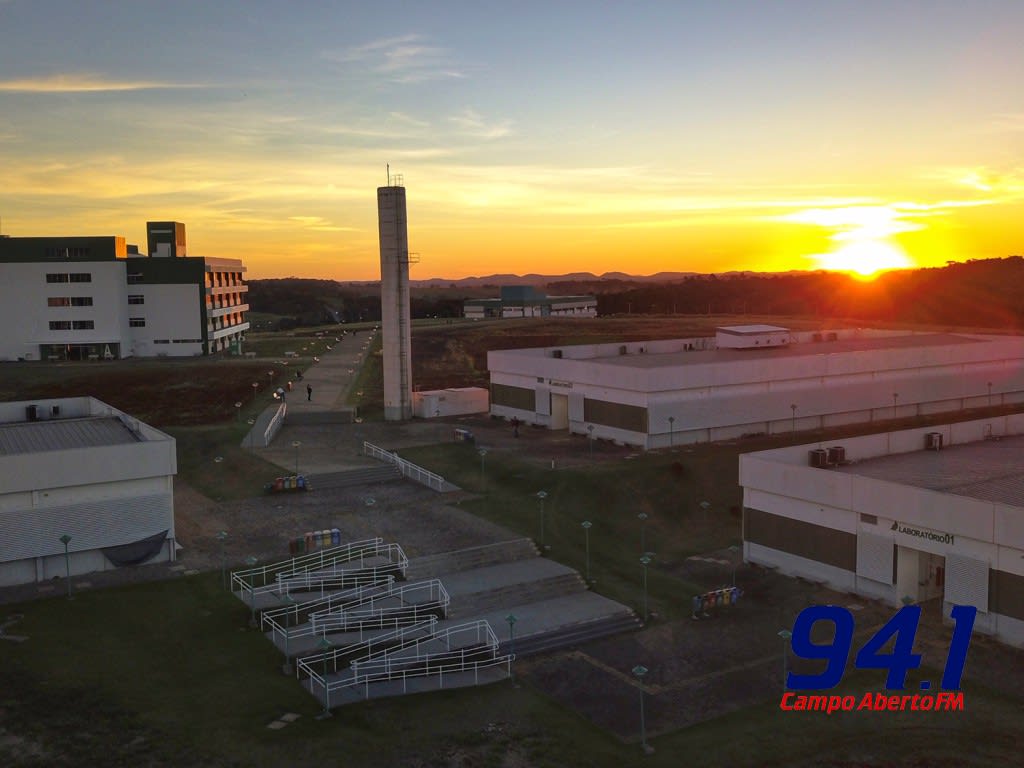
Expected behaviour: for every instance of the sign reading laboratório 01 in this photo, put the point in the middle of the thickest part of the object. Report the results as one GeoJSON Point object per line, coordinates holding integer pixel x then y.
{"type": "Point", "coordinates": [901, 629]}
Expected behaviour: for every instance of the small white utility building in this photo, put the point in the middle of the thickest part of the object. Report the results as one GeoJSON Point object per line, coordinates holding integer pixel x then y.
{"type": "Point", "coordinates": [913, 515]}
{"type": "Point", "coordinates": [78, 468]}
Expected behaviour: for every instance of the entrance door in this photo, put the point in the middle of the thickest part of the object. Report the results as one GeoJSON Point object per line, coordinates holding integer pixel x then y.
{"type": "Point", "coordinates": [559, 411]}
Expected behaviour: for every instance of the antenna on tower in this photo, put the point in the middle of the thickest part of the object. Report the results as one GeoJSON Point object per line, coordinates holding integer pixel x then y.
{"type": "Point", "coordinates": [389, 174]}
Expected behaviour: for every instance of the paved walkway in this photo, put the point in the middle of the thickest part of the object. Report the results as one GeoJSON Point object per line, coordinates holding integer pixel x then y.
{"type": "Point", "coordinates": [325, 402]}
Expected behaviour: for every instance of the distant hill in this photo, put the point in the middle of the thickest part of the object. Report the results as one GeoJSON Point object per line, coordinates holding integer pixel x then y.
{"type": "Point", "coordinates": [979, 293]}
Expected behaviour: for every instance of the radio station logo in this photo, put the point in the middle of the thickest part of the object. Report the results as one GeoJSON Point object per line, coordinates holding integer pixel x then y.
{"type": "Point", "coordinates": [901, 630]}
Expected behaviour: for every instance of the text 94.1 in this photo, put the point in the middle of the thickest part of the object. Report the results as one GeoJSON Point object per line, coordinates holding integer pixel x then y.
{"type": "Point", "coordinates": [901, 628]}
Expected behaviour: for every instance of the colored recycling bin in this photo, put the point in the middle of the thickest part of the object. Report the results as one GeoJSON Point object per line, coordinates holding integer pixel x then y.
{"type": "Point", "coordinates": [335, 537]}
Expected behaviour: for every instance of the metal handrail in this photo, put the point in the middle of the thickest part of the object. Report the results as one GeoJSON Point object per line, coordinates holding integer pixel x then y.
{"type": "Point", "coordinates": [437, 595]}
{"type": "Point", "coordinates": [253, 579]}
{"type": "Point", "coordinates": [407, 468]}
{"type": "Point", "coordinates": [338, 601]}
{"type": "Point", "coordinates": [305, 664]}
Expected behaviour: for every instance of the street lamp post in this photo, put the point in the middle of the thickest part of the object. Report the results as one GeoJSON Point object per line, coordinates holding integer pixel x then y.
{"type": "Point", "coordinates": [895, 398]}
{"type": "Point", "coordinates": [586, 534]}
{"type": "Point", "coordinates": [483, 477]}
{"type": "Point", "coordinates": [785, 634]}
{"type": "Point", "coordinates": [590, 430]}
{"type": "Point", "coordinates": [223, 573]}
{"type": "Point", "coordinates": [238, 410]}
{"type": "Point", "coordinates": [296, 444]}
{"type": "Point", "coordinates": [704, 507]}
{"type": "Point", "coordinates": [325, 646]}
{"type": "Point", "coordinates": [511, 619]}
{"type": "Point", "coordinates": [287, 668]}
{"type": "Point", "coordinates": [990, 394]}
{"type": "Point", "coordinates": [642, 517]}
{"type": "Point", "coordinates": [792, 407]}
{"type": "Point", "coordinates": [671, 431]}
{"type": "Point", "coordinates": [252, 423]}
{"type": "Point", "coordinates": [255, 386]}
{"type": "Point", "coordinates": [65, 540]}
{"type": "Point", "coordinates": [542, 495]}
{"type": "Point", "coordinates": [251, 561]}
{"type": "Point", "coordinates": [645, 561]}
{"type": "Point", "coordinates": [639, 670]}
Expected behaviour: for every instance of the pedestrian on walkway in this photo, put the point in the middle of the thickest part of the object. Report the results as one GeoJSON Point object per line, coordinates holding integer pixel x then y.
{"type": "Point", "coordinates": [309, 392]}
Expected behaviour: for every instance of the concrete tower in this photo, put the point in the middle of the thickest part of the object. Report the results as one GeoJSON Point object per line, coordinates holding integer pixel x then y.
{"type": "Point", "coordinates": [394, 300]}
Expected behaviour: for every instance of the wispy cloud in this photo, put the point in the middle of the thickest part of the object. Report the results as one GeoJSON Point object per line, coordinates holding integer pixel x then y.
{"type": "Point", "coordinates": [1006, 122]}
{"type": "Point", "coordinates": [472, 123]}
{"type": "Point", "coordinates": [997, 185]}
{"type": "Point", "coordinates": [84, 83]}
{"type": "Point", "coordinates": [401, 59]}
{"type": "Point", "coordinates": [401, 117]}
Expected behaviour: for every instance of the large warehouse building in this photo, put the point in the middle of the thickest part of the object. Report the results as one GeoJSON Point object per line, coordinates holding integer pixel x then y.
{"type": "Point", "coordinates": [752, 380]}
{"type": "Point", "coordinates": [913, 515]}
{"type": "Point", "coordinates": [94, 298]}
{"type": "Point", "coordinates": [77, 468]}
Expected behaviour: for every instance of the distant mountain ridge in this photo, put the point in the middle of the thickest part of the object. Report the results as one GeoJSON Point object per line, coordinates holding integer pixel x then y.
{"type": "Point", "coordinates": [570, 277]}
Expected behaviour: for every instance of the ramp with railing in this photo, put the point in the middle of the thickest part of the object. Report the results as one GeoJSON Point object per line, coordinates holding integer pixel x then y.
{"type": "Point", "coordinates": [460, 656]}
{"type": "Point", "coordinates": [342, 566]}
{"type": "Point", "coordinates": [358, 613]}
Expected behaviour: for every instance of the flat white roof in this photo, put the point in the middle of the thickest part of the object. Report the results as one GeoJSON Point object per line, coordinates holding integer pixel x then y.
{"type": "Point", "coordinates": [803, 349]}
{"type": "Point", "coordinates": [989, 470]}
{"type": "Point", "coordinates": [753, 328]}
{"type": "Point", "coordinates": [63, 434]}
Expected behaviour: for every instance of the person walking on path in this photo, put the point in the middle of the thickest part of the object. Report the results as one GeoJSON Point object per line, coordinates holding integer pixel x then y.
{"type": "Point", "coordinates": [309, 392]}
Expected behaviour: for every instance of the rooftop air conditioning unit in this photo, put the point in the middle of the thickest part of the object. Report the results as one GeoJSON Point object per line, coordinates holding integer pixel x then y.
{"type": "Point", "coordinates": [933, 441]}
{"type": "Point", "coordinates": [836, 455]}
{"type": "Point", "coordinates": [622, 349]}
{"type": "Point", "coordinates": [556, 353]}
{"type": "Point", "coordinates": [32, 412]}
{"type": "Point", "coordinates": [816, 337]}
{"type": "Point", "coordinates": [818, 458]}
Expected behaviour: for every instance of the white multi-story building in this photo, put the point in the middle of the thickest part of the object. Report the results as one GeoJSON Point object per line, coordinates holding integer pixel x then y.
{"type": "Point", "coordinates": [78, 468]}
{"type": "Point", "coordinates": [80, 298]}
{"type": "Point", "coordinates": [904, 516]}
{"type": "Point", "coordinates": [751, 380]}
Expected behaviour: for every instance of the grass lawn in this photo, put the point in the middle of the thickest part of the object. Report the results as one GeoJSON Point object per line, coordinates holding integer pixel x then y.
{"type": "Point", "coordinates": [667, 487]}
{"type": "Point", "coordinates": [167, 673]}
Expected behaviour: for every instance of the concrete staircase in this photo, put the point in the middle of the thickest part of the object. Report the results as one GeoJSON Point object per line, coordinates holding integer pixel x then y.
{"type": "Point", "coordinates": [478, 603]}
{"type": "Point", "coordinates": [378, 473]}
{"type": "Point", "coordinates": [573, 634]}
{"type": "Point", "coordinates": [434, 566]}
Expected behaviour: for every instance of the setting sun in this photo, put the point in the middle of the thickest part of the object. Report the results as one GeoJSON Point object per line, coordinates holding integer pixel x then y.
{"type": "Point", "coordinates": [865, 258]}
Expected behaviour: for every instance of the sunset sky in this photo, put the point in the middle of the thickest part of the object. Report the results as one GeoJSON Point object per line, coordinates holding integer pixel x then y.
{"type": "Point", "coordinates": [532, 136]}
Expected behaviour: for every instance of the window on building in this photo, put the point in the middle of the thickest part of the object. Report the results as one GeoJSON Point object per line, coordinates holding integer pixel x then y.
{"type": "Point", "coordinates": [81, 277]}
{"type": "Point", "coordinates": [56, 277]}
{"type": "Point", "coordinates": [136, 299]}
{"type": "Point", "coordinates": [60, 325]}
{"type": "Point", "coordinates": [81, 301]}
{"type": "Point", "coordinates": [83, 325]}
{"type": "Point", "coordinates": [58, 301]}
{"type": "Point", "coordinates": [67, 253]}
{"type": "Point", "coordinates": [161, 341]}
{"type": "Point", "coordinates": [136, 322]}
{"type": "Point", "coordinates": [134, 278]}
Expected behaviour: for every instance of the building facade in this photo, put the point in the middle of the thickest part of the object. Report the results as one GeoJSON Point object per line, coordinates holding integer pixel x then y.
{"type": "Point", "coordinates": [746, 381]}
{"type": "Point", "coordinates": [78, 468]}
{"type": "Point", "coordinates": [93, 298]}
{"type": "Point", "coordinates": [525, 301]}
{"type": "Point", "coordinates": [935, 513]}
